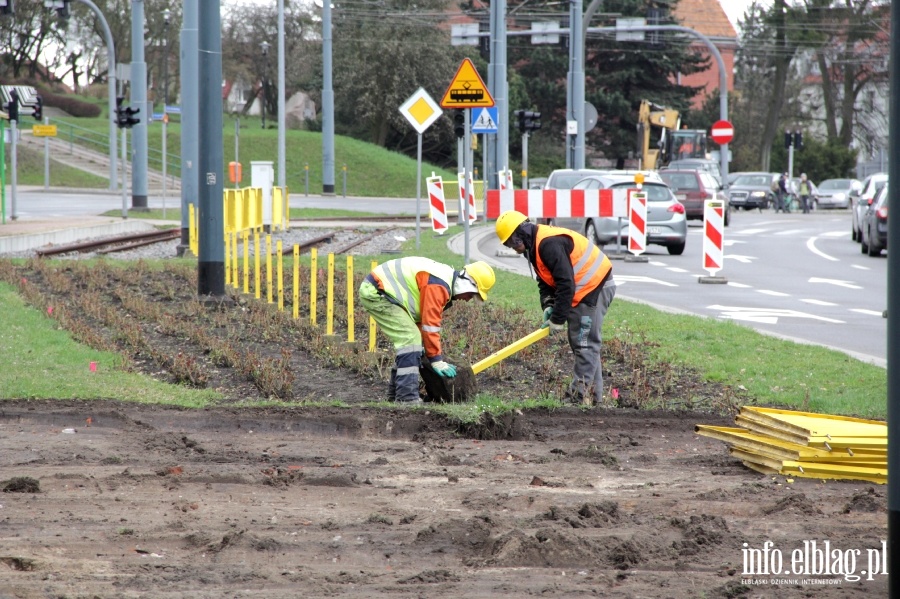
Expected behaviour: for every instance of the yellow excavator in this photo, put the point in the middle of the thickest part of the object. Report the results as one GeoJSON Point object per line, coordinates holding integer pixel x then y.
{"type": "Point", "coordinates": [671, 142]}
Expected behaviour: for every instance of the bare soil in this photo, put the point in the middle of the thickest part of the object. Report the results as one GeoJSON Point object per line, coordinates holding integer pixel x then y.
{"type": "Point", "coordinates": [105, 498]}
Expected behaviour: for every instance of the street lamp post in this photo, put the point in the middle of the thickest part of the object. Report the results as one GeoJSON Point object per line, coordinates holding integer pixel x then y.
{"type": "Point", "coordinates": [264, 46]}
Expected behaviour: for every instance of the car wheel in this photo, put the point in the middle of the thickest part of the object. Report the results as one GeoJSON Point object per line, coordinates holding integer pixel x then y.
{"type": "Point", "coordinates": [727, 219]}
{"type": "Point", "coordinates": [853, 233]}
{"type": "Point", "coordinates": [676, 249]}
{"type": "Point", "coordinates": [590, 231]}
{"type": "Point", "coordinates": [874, 249]}
{"type": "Point", "coordinates": [863, 246]}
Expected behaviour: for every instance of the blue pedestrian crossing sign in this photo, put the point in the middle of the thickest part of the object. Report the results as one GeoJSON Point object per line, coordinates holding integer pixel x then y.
{"type": "Point", "coordinates": [484, 120]}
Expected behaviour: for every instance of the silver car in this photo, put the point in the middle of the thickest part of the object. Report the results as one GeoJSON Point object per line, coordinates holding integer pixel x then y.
{"type": "Point", "coordinates": [666, 221]}
{"type": "Point", "coordinates": [860, 201]}
{"type": "Point", "coordinates": [835, 193]}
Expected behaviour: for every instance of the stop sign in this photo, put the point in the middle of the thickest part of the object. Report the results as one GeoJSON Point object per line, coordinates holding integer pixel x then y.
{"type": "Point", "coordinates": [722, 132]}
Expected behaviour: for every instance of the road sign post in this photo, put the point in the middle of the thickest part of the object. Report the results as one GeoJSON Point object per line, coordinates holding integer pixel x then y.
{"type": "Point", "coordinates": [421, 111]}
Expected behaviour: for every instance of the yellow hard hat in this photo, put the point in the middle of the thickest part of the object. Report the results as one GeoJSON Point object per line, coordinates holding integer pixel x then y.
{"type": "Point", "coordinates": [507, 224]}
{"type": "Point", "coordinates": [483, 275]}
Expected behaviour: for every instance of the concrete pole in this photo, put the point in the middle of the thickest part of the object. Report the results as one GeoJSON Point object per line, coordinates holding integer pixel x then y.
{"type": "Point", "coordinates": [190, 108]}
{"type": "Point", "coordinates": [575, 142]}
{"type": "Point", "coordinates": [211, 261]}
{"type": "Point", "coordinates": [327, 103]}
{"type": "Point", "coordinates": [14, 168]}
{"type": "Point", "coordinates": [499, 88]}
{"type": "Point", "coordinates": [139, 100]}
{"type": "Point", "coordinates": [893, 322]}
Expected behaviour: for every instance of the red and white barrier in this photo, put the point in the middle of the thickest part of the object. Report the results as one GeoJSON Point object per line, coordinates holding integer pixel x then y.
{"type": "Point", "coordinates": [637, 222]}
{"type": "Point", "coordinates": [713, 235]}
{"type": "Point", "coordinates": [559, 203]}
{"type": "Point", "coordinates": [437, 204]}
{"type": "Point", "coordinates": [462, 192]}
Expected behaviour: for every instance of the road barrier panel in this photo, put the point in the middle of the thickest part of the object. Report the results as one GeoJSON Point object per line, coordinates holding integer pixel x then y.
{"type": "Point", "coordinates": [713, 237]}
{"type": "Point", "coordinates": [637, 226]}
{"type": "Point", "coordinates": [559, 203]}
{"type": "Point", "coordinates": [437, 203]}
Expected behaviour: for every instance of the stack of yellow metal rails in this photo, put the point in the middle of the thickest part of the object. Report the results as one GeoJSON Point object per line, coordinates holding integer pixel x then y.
{"type": "Point", "coordinates": [806, 445]}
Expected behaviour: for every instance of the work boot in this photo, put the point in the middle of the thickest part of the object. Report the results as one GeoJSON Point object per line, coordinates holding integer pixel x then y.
{"type": "Point", "coordinates": [392, 386]}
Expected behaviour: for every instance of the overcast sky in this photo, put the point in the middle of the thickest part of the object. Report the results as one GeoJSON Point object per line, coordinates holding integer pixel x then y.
{"type": "Point", "coordinates": [735, 8]}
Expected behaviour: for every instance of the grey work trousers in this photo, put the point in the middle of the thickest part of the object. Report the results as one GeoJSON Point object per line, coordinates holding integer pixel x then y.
{"type": "Point", "coordinates": [585, 325]}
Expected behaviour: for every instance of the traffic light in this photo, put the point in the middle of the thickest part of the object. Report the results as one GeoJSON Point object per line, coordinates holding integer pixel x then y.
{"type": "Point", "coordinates": [38, 113]}
{"type": "Point", "coordinates": [12, 108]}
{"type": "Point", "coordinates": [793, 139]}
{"type": "Point", "coordinates": [125, 114]}
{"type": "Point", "coordinates": [459, 123]}
{"type": "Point", "coordinates": [6, 7]}
{"type": "Point", "coordinates": [528, 120]}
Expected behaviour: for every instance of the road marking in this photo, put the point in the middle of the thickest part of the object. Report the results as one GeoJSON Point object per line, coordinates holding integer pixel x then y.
{"type": "Point", "coordinates": [811, 246]}
{"type": "Point", "coordinates": [818, 302]}
{"type": "Point", "coordinates": [731, 242]}
{"type": "Point", "coordinates": [638, 279]}
{"type": "Point", "coordinates": [770, 316]}
{"type": "Point", "coordinates": [656, 263]}
{"type": "Point", "coordinates": [860, 267]}
{"type": "Point", "coordinates": [792, 232]}
{"type": "Point", "coordinates": [677, 269]}
{"type": "Point", "coordinates": [741, 259]}
{"type": "Point", "coordinates": [834, 234]}
{"type": "Point", "coordinates": [739, 285]}
{"type": "Point", "coordinates": [773, 293]}
{"type": "Point", "coordinates": [867, 312]}
{"type": "Point", "coordinates": [751, 232]}
{"type": "Point", "coordinates": [837, 282]}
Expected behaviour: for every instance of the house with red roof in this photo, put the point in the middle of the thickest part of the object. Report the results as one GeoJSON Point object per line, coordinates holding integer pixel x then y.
{"type": "Point", "coordinates": [708, 17]}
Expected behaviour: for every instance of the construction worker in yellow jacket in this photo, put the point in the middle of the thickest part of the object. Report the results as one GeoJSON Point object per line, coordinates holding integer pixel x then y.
{"type": "Point", "coordinates": [407, 298]}
{"type": "Point", "coordinates": [576, 287]}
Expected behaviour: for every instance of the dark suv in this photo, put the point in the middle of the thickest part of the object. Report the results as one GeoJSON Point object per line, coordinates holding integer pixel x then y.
{"type": "Point", "coordinates": [753, 190]}
{"type": "Point", "coordinates": [693, 188]}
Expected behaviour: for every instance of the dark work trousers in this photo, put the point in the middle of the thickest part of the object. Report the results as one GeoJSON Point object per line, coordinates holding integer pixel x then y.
{"type": "Point", "coordinates": [584, 331]}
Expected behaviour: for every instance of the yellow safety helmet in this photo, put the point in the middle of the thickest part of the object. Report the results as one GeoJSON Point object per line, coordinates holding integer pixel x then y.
{"type": "Point", "coordinates": [483, 275]}
{"type": "Point", "coordinates": [507, 223]}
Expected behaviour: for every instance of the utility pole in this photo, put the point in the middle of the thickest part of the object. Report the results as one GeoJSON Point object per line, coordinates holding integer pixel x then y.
{"type": "Point", "coordinates": [139, 100]}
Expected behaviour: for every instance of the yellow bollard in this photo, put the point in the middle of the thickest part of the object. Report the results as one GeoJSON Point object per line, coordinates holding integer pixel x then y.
{"type": "Point", "coordinates": [227, 238]}
{"type": "Point", "coordinates": [234, 261]}
{"type": "Point", "coordinates": [192, 230]}
{"type": "Point", "coordinates": [313, 261]}
{"type": "Point", "coordinates": [256, 273]}
{"type": "Point", "coordinates": [329, 298]}
{"type": "Point", "coordinates": [350, 319]}
{"type": "Point", "coordinates": [246, 261]}
{"type": "Point", "coordinates": [296, 281]}
{"type": "Point", "coordinates": [269, 269]}
{"type": "Point", "coordinates": [372, 320]}
{"type": "Point", "coordinates": [280, 278]}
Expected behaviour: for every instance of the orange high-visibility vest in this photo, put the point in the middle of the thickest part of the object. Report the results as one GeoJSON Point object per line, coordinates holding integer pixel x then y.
{"type": "Point", "coordinates": [589, 264]}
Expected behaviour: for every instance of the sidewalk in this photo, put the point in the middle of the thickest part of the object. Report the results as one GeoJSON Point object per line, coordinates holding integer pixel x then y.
{"type": "Point", "coordinates": [23, 235]}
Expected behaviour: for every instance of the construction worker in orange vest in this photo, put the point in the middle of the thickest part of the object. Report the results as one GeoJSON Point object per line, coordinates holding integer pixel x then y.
{"type": "Point", "coordinates": [576, 287]}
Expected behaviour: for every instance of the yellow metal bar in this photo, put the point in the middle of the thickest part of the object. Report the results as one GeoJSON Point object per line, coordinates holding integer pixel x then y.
{"type": "Point", "coordinates": [329, 298]}
{"type": "Point", "coordinates": [269, 269]}
{"type": "Point", "coordinates": [256, 272]}
{"type": "Point", "coordinates": [280, 256]}
{"type": "Point", "coordinates": [246, 235]}
{"type": "Point", "coordinates": [313, 276]}
{"type": "Point", "coordinates": [234, 260]}
{"type": "Point", "coordinates": [350, 320]}
{"type": "Point", "coordinates": [296, 281]}
{"type": "Point", "coordinates": [510, 349]}
{"type": "Point", "coordinates": [227, 259]}
{"type": "Point", "coordinates": [372, 320]}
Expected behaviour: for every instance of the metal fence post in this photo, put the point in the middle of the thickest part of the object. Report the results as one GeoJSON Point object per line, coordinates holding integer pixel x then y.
{"type": "Point", "coordinates": [306, 172]}
{"type": "Point", "coordinates": [345, 180]}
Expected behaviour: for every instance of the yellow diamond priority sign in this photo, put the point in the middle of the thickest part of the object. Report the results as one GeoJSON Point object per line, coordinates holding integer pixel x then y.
{"type": "Point", "coordinates": [420, 110]}
{"type": "Point", "coordinates": [467, 90]}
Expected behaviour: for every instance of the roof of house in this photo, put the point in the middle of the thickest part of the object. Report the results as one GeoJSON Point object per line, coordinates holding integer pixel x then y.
{"type": "Point", "coordinates": [706, 16]}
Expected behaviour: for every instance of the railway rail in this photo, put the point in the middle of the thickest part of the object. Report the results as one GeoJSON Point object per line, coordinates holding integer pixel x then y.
{"type": "Point", "coordinates": [110, 245]}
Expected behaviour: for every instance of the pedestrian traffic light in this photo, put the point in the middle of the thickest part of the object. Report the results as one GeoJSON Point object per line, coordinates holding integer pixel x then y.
{"type": "Point", "coordinates": [12, 108]}
{"type": "Point", "coordinates": [38, 112]}
{"type": "Point", "coordinates": [459, 123]}
{"type": "Point", "coordinates": [520, 120]}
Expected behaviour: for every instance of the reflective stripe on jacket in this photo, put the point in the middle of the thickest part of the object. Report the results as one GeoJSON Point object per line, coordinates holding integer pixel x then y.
{"type": "Point", "coordinates": [589, 264]}
{"type": "Point", "coordinates": [422, 287]}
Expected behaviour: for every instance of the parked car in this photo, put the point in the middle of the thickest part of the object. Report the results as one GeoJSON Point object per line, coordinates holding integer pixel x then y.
{"type": "Point", "coordinates": [697, 164]}
{"type": "Point", "coordinates": [875, 225]}
{"type": "Point", "coordinates": [565, 178]}
{"type": "Point", "coordinates": [753, 190]}
{"type": "Point", "coordinates": [835, 193]}
{"type": "Point", "coordinates": [537, 182]}
{"type": "Point", "coordinates": [666, 222]}
{"type": "Point", "coordinates": [693, 188]}
{"type": "Point", "coordinates": [860, 200]}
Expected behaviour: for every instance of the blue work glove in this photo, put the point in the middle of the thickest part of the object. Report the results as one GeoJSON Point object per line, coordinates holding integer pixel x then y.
{"type": "Point", "coordinates": [556, 328]}
{"type": "Point", "coordinates": [547, 312]}
{"type": "Point", "coordinates": [444, 369]}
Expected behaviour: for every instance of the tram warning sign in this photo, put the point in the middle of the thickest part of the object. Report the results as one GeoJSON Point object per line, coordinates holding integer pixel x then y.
{"type": "Point", "coordinates": [467, 90]}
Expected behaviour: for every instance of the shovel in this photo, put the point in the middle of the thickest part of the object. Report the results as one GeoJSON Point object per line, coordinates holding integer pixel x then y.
{"type": "Point", "coordinates": [460, 387]}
